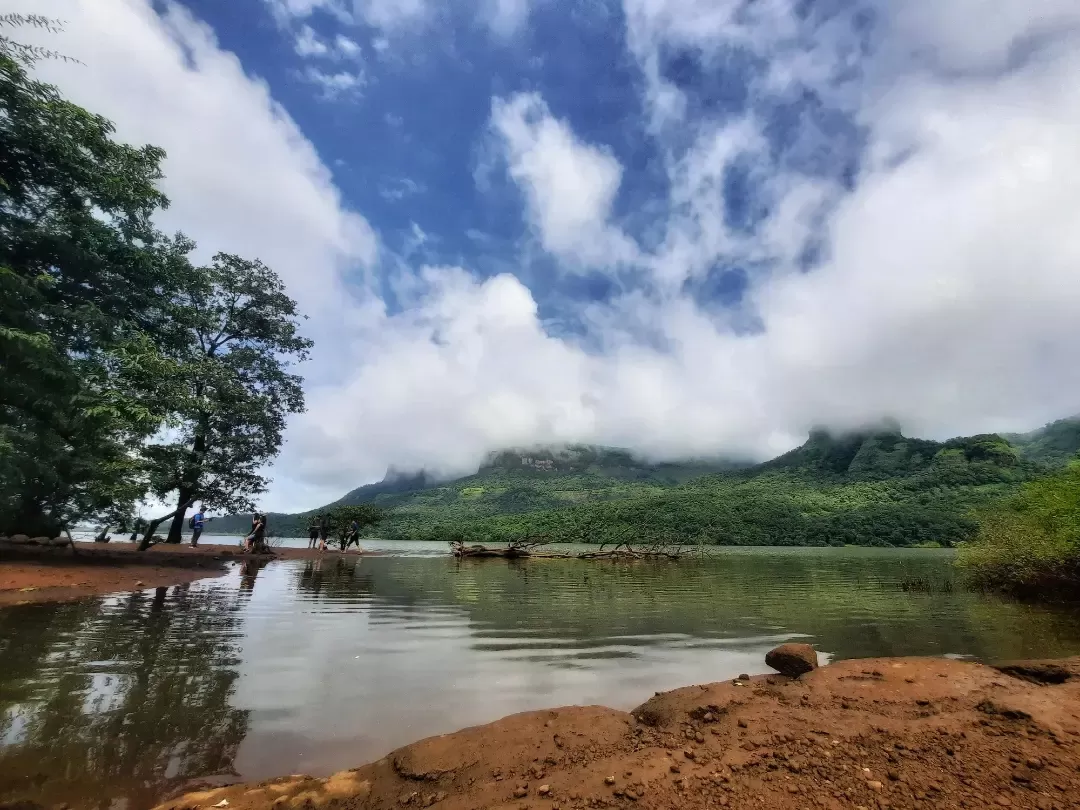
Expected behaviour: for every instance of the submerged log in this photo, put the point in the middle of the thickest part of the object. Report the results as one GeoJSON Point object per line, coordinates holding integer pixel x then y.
{"type": "Point", "coordinates": [518, 549]}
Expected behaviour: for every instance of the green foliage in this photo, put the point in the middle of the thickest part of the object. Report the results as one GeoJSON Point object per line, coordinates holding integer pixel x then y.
{"type": "Point", "coordinates": [1031, 540]}
{"type": "Point", "coordinates": [81, 272]}
{"type": "Point", "coordinates": [341, 519]}
{"type": "Point", "coordinates": [1054, 445]}
{"type": "Point", "coordinates": [234, 340]}
{"type": "Point", "coordinates": [110, 336]}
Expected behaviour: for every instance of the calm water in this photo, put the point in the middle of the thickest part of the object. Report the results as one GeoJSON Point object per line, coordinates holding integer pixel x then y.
{"type": "Point", "coordinates": [321, 665]}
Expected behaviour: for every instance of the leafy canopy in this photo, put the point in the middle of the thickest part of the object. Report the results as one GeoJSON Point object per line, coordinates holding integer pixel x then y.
{"type": "Point", "coordinates": [82, 277]}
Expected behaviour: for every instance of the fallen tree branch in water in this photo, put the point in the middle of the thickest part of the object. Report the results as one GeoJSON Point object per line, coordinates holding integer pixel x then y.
{"type": "Point", "coordinates": [528, 547]}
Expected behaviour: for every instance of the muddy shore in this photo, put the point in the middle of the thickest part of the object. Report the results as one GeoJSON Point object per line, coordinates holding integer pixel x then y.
{"type": "Point", "coordinates": [878, 733]}
{"type": "Point", "coordinates": [48, 574]}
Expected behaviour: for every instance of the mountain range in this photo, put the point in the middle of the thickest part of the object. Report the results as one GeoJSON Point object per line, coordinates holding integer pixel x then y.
{"type": "Point", "coordinates": [860, 486]}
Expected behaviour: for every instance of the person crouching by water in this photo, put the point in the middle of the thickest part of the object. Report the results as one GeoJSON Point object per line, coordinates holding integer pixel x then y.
{"type": "Point", "coordinates": [256, 540]}
{"type": "Point", "coordinates": [313, 532]}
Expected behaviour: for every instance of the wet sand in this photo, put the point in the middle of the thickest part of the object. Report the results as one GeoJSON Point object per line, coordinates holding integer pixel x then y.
{"type": "Point", "coordinates": [909, 733]}
{"type": "Point", "coordinates": [48, 574]}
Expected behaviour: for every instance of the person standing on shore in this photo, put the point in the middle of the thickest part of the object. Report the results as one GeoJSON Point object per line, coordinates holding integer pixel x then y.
{"type": "Point", "coordinates": [198, 523]}
{"type": "Point", "coordinates": [324, 531]}
{"type": "Point", "coordinates": [313, 531]}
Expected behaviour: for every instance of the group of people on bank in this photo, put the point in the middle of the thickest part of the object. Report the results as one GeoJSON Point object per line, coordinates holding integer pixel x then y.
{"type": "Point", "coordinates": [319, 531]}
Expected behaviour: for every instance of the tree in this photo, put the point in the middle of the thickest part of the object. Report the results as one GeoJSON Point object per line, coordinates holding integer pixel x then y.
{"type": "Point", "coordinates": [341, 518]}
{"type": "Point", "coordinates": [234, 342]}
{"type": "Point", "coordinates": [85, 283]}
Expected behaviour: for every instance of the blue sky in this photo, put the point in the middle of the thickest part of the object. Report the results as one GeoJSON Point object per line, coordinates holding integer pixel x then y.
{"type": "Point", "coordinates": [686, 227]}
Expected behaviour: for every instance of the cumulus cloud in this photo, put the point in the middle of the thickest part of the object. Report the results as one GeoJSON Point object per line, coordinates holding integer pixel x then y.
{"type": "Point", "coordinates": [503, 17]}
{"type": "Point", "coordinates": [569, 185]}
{"type": "Point", "coordinates": [943, 292]}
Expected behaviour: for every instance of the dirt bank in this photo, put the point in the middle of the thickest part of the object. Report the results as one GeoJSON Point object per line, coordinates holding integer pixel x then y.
{"type": "Point", "coordinates": [878, 733]}
{"type": "Point", "coordinates": [48, 574]}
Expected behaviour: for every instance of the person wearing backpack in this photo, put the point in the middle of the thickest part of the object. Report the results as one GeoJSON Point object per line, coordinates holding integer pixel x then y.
{"type": "Point", "coordinates": [196, 523]}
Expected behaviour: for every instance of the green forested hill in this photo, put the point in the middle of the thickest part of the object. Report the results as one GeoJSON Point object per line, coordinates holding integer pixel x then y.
{"type": "Point", "coordinates": [1054, 444]}
{"type": "Point", "coordinates": [875, 487]}
{"type": "Point", "coordinates": [509, 482]}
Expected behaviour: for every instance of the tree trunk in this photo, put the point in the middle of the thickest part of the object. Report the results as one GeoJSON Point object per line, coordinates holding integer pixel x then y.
{"type": "Point", "coordinates": [176, 530]}
{"type": "Point", "coordinates": [151, 526]}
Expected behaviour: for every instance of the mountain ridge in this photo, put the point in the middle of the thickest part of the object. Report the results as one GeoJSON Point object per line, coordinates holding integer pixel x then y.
{"type": "Point", "coordinates": [515, 483]}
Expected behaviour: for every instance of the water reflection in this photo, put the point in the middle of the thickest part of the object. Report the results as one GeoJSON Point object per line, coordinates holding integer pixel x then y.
{"type": "Point", "coordinates": [331, 662]}
{"type": "Point", "coordinates": [125, 697]}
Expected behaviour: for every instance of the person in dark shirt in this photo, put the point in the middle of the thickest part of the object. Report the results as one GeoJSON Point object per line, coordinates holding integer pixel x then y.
{"type": "Point", "coordinates": [313, 531]}
{"type": "Point", "coordinates": [324, 531]}
{"type": "Point", "coordinates": [353, 536]}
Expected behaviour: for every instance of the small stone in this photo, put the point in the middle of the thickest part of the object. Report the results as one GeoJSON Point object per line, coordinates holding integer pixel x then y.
{"type": "Point", "coordinates": [609, 780]}
{"type": "Point", "coordinates": [1003, 801]}
{"type": "Point", "coordinates": [743, 724]}
{"type": "Point", "coordinates": [894, 776]}
{"type": "Point", "coordinates": [544, 790]}
{"type": "Point", "coordinates": [1022, 775]}
{"type": "Point", "coordinates": [699, 738]}
{"type": "Point", "coordinates": [520, 792]}
{"type": "Point", "coordinates": [689, 754]}
{"type": "Point", "coordinates": [909, 680]}
{"type": "Point", "coordinates": [922, 702]}
{"type": "Point", "coordinates": [1035, 763]}
{"type": "Point", "coordinates": [675, 768]}
{"type": "Point", "coordinates": [875, 786]}
{"type": "Point", "coordinates": [744, 677]}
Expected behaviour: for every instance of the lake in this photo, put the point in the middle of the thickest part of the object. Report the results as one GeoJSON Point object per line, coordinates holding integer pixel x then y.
{"type": "Point", "coordinates": [315, 666]}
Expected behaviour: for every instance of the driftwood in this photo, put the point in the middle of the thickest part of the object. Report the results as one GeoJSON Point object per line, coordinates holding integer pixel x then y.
{"type": "Point", "coordinates": [528, 547]}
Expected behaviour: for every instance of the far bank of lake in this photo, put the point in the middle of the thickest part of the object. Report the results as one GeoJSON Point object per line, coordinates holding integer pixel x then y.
{"type": "Point", "coordinates": [317, 665]}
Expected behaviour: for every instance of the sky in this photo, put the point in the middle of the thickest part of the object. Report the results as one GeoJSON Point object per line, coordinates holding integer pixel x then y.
{"type": "Point", "coordinates": [684, 227]}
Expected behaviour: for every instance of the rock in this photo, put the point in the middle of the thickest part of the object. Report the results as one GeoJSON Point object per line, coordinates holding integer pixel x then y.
{"type": "Point", "coordinates": [1042, 672]}
{"type": "Point", "coordinates": [609, 780]}
{"type": "Point", "coordinates": [1023, 775]}
{"type": "Point", "coordinates": [792, 660]}
{"type": "Point", "coordinates": [675, 768]}
{"type": "Point", "coordinates": [520, 792]}
{"type": "Point", "coordinates": [19, 539]}
{"type": "Point", "coordinates": [689, 754]}
{"type": "Point", "coordinates": [544, 790]}
{"type": "Point", "coordinates": [40, 541]}
{"type": "Point", "coordinates": [875, 786]}
{"type": "Point", "coordinates": [59, 542]}
{"type": "Point", "coordinates": [742, 723]}
{"type": "Point", "coordinates": [744, 677]}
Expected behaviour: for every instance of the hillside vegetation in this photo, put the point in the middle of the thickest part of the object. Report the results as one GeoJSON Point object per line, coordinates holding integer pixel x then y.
{"type": "Point", "coordinates": [876, 487]}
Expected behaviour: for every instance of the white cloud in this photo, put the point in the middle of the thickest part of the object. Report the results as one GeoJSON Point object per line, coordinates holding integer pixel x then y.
{"type": "Point", "coordinates": [309, 44]}
{"type": "Point", "coordinates": [569, 185]}
{"type": "Point", "coordinates": [334, 84]}
{"type": "Point", "coordinates": [346, 47]}
{"type": "Point", "coordinates": [946, 296]}
{"type": "Point", "coordinates": [503, 17]}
